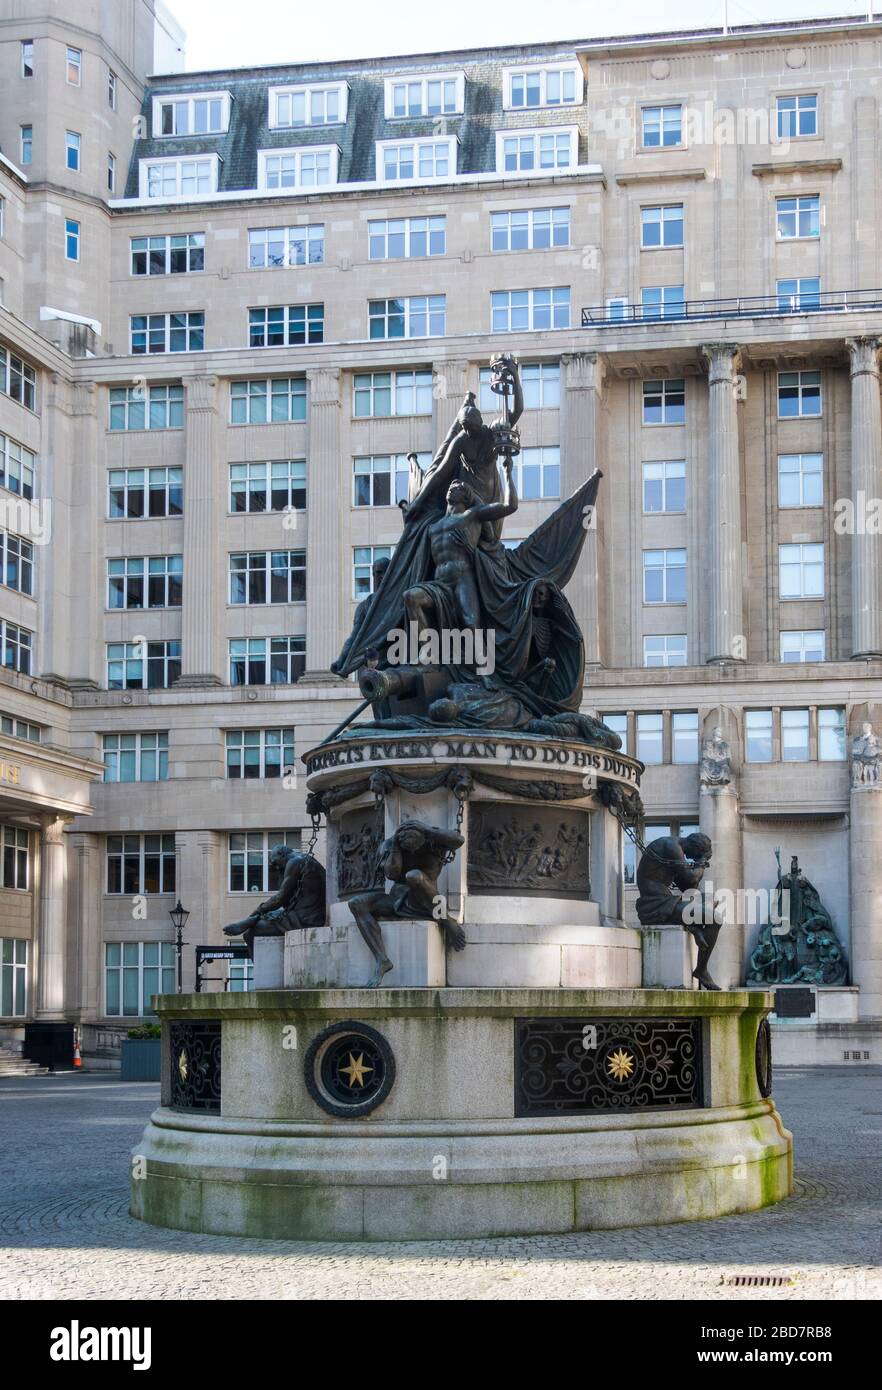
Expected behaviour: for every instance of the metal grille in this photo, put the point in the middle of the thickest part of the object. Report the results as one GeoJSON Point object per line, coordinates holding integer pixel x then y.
{"type": "Point", "coordinates": [195, 1062]}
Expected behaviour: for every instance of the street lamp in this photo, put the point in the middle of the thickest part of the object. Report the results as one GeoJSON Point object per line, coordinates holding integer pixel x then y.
{"type": "Point", "coordinates": [179, 916]}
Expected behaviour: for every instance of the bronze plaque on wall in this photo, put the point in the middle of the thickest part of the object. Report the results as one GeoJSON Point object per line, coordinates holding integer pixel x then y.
{"type": "Point", "coordinates": [540, 850]}
{"type": "Point", "coordinates": [359, 839]}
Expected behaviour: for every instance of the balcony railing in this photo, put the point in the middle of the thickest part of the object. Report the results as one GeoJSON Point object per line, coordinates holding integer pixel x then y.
{"type": "Point", "coordinates": [620, 315]}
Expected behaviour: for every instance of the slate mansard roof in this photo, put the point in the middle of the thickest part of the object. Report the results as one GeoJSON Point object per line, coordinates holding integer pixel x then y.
{"type": "Point", "coordinates": [249, 127]}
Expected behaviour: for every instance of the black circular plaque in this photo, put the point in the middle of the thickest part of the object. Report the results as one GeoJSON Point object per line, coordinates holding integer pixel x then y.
{"type": "Point", "coordinates": [764, 1058]}
{"type": "Point", "coordinates": [349, 1069]}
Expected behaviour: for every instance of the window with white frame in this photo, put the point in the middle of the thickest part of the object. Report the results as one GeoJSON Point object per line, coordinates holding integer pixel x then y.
{"type": "Point", "coordinates": [316, 104]}
{"type": "Point", "coordinates": [798, 218]}
{"type": "Point", "coordinates": [661, 127]}
{"type": "Point", "coordinates": [530, 229]}
{"type": "Point", "coordinates": [797, 116]}
{"type": "Point", "coordinates": [267, 660]}
{"type": "Point", "coordinates": [514, 310]}
{"type": "Point", "coordinates": [794, 735]}
{"type": "Point", "coordinates": [379, 394]}
{"type": "Point", "coordinates": [26, 142]}
{"type": "Point", "coordinates": [402, 238]}
{"type": "Point", "coordinates": [143, 665]}
{"type": "Point", "coordinates": [136, 757]}
{"type": "Point", "coordinates": [661, 226]}
{"type": "Point", "coordinates": [17, 467]}
{"type": "Point", "coordinates": [268, 576]}
{"type": "Point", "coordinates": [415, 159]}
{"type": "Point", "coordinates": [168, 255]}
{"type": "Point", "coordinates": [650, 738]}
{"type": "Point", "coordinates": [135, 493]}
{"type": "Point", "coordinates": [305, 166]}
{"type": "Point", "coordinates": [273, 247]}
{"type": "Point", "coordinates": [249, 855]}
{"type": "Point", "coordinates": [831, 735]}
{"type": "Point", "coordinates": [429, 94]}
{"type": "Point", "coordinates": [20, 728]}
{"type": "Point", "coordinates": [14, 858]}
{"type": "Point", "coordinates": [364, 557]}
{"type": "Point", "coordinates": [153, 333]}
{"type": "Point", "coordinates": [530, 88]}
{"type": "Point", "coordinates": [111, 89]}
{"type": "Point", "coordinates": [286, 325]}
{"type": "Point", "coordinates": [179, 178]}
{"type": "Point", "coordinates": [275, 486]}
{"type": "Point", "coordinates": [799, 295]}
{"type": "Point", "coordinates": [667, 649]}
{"type": "Point", "coordinates": [74, 67]}
{"type": "Point", "coordinates": [662, 302]}
{"type": "Point", "coordinates": [17, 647]}
{"type": "Point", "coordinates": [381, 480]}
{"type": "Point", "coordinates": [801, 570]}
{"type": "Point", "coordinates": [618, 722]}
{"type": "Point", "coordinates": [758, 735]}
{"type": "Point", "coordinates": [140, 864]}
{"type": "Point", "coordinates": [18, 379]}
{"type": "Point", "coordinates": [205, 113]}
{"type": "Point", "coordinates": [540, 382]}
{"type": "Point", "coordinates": [138, 581]}
{"type": "Point", "coordinates": [71, 239]}
{"type": "Point", "coordinates": [72, 150]}
{"type": "Point", "coordinates": [133, 972]}
{"type": "Point", "coordinates": [684, 737]}
{"type": "Point", "coordinates": [798, 645]}
{"type": "Point", "coordinates": [16, 563]}
{"type": "Point", "coordinates": [261, 402]}
{"type": "Point", "coordinates": [800, 480]}
{"type": "Point", "coordinates": [13, 977]}
{"type": "Point", "coordinates": [664, 576]}
{"type": "Point", "coordinates": [240, 978]}
{"type": "Point", "coordinates": [259, 753]}
{"type": "Point", "coordinates": [27, 57]}
{"type": "Point", "coordinates": [151, 408]}
{"type": "Point", "coordinates": [413, 316]}
{"type": "Point", "coordinates": [664, 486]}
{"type": "Point", "coordinates": [664, 401]}
{"type": "Point", "coordinates": [799, 395]}
{"type": "Point", "coordinates": [536, 472]}
{"type": "Point", "coordinates": [111, 172]}
{"type": "Point", "coordinates": [525, 151]}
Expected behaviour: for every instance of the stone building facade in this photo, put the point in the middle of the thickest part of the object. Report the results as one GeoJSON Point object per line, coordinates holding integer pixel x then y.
{"type": "Point", "coordinates": [232, 302]}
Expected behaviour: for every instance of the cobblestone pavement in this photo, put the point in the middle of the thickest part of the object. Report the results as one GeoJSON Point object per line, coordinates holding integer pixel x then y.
{"type": "Point", "coordinates": [65, 1232]}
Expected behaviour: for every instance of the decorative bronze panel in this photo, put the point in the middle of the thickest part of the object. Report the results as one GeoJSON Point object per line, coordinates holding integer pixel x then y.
{"type": "Point", "coordinates": [572, 1066]}
{"type": "Point", "coordinates": [528, 850]}
{"type": "Point", "coordinates": [195, 1060]}
{"type": "Point", "coordinates": [360, 837]}
{"type": "Point", "coordinates": [764, 1059]}
{"type": "Point", "coordinates": [349, 1069]}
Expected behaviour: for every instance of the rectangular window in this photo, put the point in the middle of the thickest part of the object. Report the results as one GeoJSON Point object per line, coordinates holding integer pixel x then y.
{"type": "Point", "coordinates": [153, 333]}
{"type": "Point", "coordinates": [20, 728]}
{"type": "Point", "coordinates": [661, 226]}
{"type": "Point", "coordinates": [154, 581]}
{"type": "Point", "coordinates": [143, 665]}
{"type": "Point", "coordinates": [16, 563]}
{"type": "Point", "coordinates": [274, 247]}
{"type": "Point", "coordinates": [799, 395]}
{"type": "Point", "coordinates": [684, 738]}
{"type": "Point", "coordinates": [666, 650]}
{"type": "Point", "coordinates": [540, 382]}
{"type": "Point", "coordinates": [381, 480]}
{"type": "Point", "coordinates": [403, 238]}
{"type": "Point", "coordinates": [664, 576]}
{"type": "Point", "coordinates": [758, 735]}
{"type": "Point", "coordinates": [168, 255]}
{"type": "Point", "coordinates": [416, 316]}
{"type": "Point", "coordinates": [71, 240]}
{"type": "Point", "coordinates": [206, 114]}
{"type": "Point", "coordinates": [664, 486]}
{"type": "Point", "coordinates": [27, 144]}
{"type": "Point", "coordinates": [800, 646]}
{"type": "Point", "coordinates": [179, 178]}
{"type": "Point", "coordinates": [111, 173]}
{"type": "Point", "coordinates": [291, 107]}
{"type": "Point", "coordinates": [278, 400]}
{"type": "Point", "coordinates": [157, 408]}
{"type": "Point", "coordinates": [135, 493]}
{"type": "Point", "coordinates": [529, 88]}
{"type": "Point", "coordinates": [135, 757]}
{"type": "Point", "coordinates": [533, 229]}
{"type": "Point", "coordinates": [13, 977]}
{"type": "Point", "coordinates": [801, 571]}
{"type": "Point", "coordinates": [536, 473]}
{"type": "Point", "coordinates": [306, 166]}
{"type": "Point", "coordinates": [662, 302]}
{"type": "Point", "coordinates": [14, 858]}
{"type": "Point", "coordinates": [134, 971]}
{"type": "Point", "coordinates": [831, 735]}
{"type": "Point", "coordinates": [286, 325]}
{"type": "Point", "coordinates": [799, 295]}
{"type": "Point", "coordinates": [72, 142]}
{"type": "Point", "coordinates": [794, 735]}
{"type": "Point", "coordinates": [377, 394]}
{"type": "Point", "coordinates": [18, 645]}
{"type": "Point", "coordinates": [111, 89]}
{"type": "Point", "coordinates": [526, 151]}
{"type": "Point", "coordinates": [364, 557]}
{"type": "Point", "coordinates": [619, 725]}
{"type": "Point", "coordinates": [664, 402]}
{"type": "Point", "coordinates": [514, 310]}
{"type": "Point", "coordinates": [798, 217]}
{"type": "Point", "coordinates": [416, 159]}
{"type": "Point", "coordinates": [17, 467]}
{"type": "Point", "coordinates": [249, 854]}
{"type": "Point", "coordinates": [662, 126]}
{"type": "Point", "coordinates": [140, 864]}
{"type": "Point", "coordinates": [27, 57]}
{"type": "Point", "coordinates": [277, 486]}
{"type": "Point", "coordinates": [74, 67]}
{"type": "Point", "coordinates": [438, 94]}
{"type": "Point", "coordinates": [256, 753]}
{"type": "Point", "coordinates": [797, 116]}
{"type": "Point", "coordinates": [800, 480]}
{"type": "Point", "coordinates": [268, 576]}
{"type": "Point", "coordinates": [18, 379]}
{"type": "Point", "coordinates": [267, 660]}
{"type": "Point", "coordinates": [650, 746]}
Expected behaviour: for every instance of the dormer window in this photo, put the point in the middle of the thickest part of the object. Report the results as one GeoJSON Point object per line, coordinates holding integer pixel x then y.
{"type": "Point", "coordinates": [325, 104]}
{"type": "Point", "coordinates": [304, 166]}
{"type": "Point", "coordinates": [528, 88]}
{"type": "Point", "coordinates": [430, 94]}
{"type": "Point", "coordinates": [207, 113]}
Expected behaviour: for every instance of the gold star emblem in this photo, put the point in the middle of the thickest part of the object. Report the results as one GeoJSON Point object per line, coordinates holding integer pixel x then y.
{"type": "Point", "coordinates": [356, 1071]}
{"type": "Point", "coordinates": [183, 1064]}
{"type": "Point", "coordinates": [620, 1064]}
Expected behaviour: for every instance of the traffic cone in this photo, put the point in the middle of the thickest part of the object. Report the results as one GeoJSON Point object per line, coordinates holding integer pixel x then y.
{"type": "Point", "coordinates": [77, 1059]}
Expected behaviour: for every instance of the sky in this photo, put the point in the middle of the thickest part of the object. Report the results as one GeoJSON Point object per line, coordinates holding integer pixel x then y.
{"type": "Point", "coordinates": [226, 33]}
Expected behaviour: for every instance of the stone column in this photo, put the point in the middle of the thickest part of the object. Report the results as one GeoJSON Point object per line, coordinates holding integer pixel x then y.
{"type": "Point", "coordinates": [719, 817]}
{"type": "Point", "coordinates": [865, 897]}
{"type": "Point", "coordinates": [866, 483]}
{"type": "Point", "coordinates": [84, 915]}
{"type": "Point", "coordinates": [723, 557]}
{"type": "Point", "coordinates": [327, 550]}
{"type": "Point", "coordinates": [583, 450]}
{"type": "Point", "coordinates": [450, 384]}
{"type": "Point", "coordinates": [51, 959]}
{"type": "Point", "coordinates": [202, 659]}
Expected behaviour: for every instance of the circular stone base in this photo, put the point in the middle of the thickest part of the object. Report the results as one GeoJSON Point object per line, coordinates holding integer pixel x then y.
{"type": "Point", "coordinates": [487, 1112]}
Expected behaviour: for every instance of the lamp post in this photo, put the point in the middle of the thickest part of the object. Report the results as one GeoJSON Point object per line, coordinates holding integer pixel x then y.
{"type": "Point", "coordinates": [179, 916]}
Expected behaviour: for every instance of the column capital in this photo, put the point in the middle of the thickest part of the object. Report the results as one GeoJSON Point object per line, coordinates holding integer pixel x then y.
{"type": "Point", "coordinates": [585, 370]}
{"type": "Point", "coordinates": [723, 360]}
{"type": "Point", "coordinates": [864, 354]}
{"type": "Point", "coordinates": [85, 398]}
{"type": "Point", "coordinates": [201, 393]}
{"type": "Point", "coordinates": [324, 385]}
{"type": "Point", "coordinates": [52, 828]}
{"type": "Point", "coordinates": [450, 376]}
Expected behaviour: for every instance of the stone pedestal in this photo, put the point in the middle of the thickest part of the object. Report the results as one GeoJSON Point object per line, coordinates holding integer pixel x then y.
{"type": "Point", "coordinates": [719, 818]}
{"type": "Point", "coordinates": [866, 896]}
{"type": "Point", "coordinates": [269, 962]}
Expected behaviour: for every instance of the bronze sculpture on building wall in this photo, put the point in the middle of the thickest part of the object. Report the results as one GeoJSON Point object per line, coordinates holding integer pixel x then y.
{"type": "Point", "coordinates": [798, 944]}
